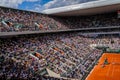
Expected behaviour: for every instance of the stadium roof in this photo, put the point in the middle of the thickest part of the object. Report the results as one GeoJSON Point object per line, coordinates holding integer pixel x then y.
{"type": "Point", "coordinates": [88, 8]}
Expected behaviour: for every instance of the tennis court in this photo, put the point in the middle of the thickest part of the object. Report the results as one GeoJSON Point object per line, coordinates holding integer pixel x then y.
{"type": "Point", "coordinates": [110, 71]}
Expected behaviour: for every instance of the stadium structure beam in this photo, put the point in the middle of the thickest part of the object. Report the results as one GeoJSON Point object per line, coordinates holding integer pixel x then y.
{"type": "Point", "coordinates": [88, 8]}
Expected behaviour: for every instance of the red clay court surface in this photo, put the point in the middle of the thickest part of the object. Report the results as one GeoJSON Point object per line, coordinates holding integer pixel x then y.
{"type": "Point", "coordinates": [108, 72]}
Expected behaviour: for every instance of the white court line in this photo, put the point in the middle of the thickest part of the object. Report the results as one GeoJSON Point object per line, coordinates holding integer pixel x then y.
{"type": "Point", "coordinates": [109, 69]}
{"type": "Point", "coordinates": [94, 68]}
{"type": "Point", "coordinates": [90, 73]}
{"type": "Point", "coordinates": [113, 70]}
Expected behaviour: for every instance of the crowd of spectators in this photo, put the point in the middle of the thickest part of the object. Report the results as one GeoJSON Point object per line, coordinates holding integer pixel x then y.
{"type": "Point", "coordinates": [18, 20]}
{"type": "Point", "coordinates": [68, 54]}
{"type": "Point", "coordinates": [12, 20]}
{"type": "Point", "coordinates": [98, 20]}
{"type": "Point", "coordinates": [11, 70]}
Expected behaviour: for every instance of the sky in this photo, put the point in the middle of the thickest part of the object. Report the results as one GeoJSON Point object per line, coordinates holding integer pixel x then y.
{"type": "Point", "coordinates": [39, 5]}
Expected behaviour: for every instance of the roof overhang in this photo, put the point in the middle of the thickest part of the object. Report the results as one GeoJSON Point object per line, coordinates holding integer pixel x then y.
{"type": "Point", "coordinates": [89, 8]}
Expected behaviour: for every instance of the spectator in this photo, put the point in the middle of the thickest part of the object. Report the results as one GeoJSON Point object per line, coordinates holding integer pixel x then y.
{"type": "Point", "coordinates": [67, 54]}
